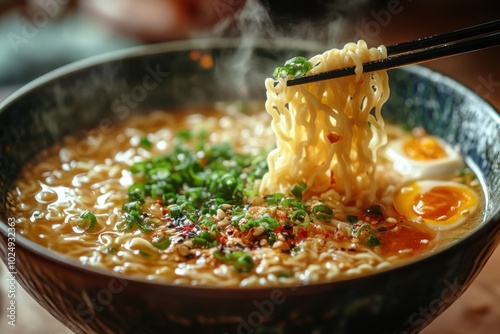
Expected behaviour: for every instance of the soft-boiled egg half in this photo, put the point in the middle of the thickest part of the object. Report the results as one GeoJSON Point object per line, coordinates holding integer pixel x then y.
{"type": "Point", "coordinates": [423, 156]}
{"type": "Point", "coordinates": [439, 204]}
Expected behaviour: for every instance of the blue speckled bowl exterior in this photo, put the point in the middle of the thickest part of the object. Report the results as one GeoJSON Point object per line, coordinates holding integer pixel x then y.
{"type": "Point", "coordinates": [100, 92]}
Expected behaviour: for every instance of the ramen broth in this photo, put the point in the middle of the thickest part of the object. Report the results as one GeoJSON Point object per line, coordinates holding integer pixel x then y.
{"type": "Point", "coordinates": [173, 196]}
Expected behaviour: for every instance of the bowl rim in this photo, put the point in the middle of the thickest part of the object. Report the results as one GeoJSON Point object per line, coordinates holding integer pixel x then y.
{"type": "Point", "coordinates": [152, 49]}
{"type": "Point", "coordinates": [224, 43]}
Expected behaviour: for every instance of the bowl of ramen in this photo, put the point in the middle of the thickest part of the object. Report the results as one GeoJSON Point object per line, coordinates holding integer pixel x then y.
{"type": "Point", "coordinates": [184, 188]}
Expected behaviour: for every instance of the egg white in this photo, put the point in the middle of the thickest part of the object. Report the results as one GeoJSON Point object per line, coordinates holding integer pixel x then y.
{"type": "Point", "coordinates": [417, 169]}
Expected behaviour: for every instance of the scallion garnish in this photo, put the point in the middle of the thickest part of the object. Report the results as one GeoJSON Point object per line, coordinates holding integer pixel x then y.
{"type": "Point", "coordinates": [145, 142]}
{"type": "Point", "coordinates": [205, 239]}
{"type": "Point", "coordinates": [136, 192]}
{"type": "Point", "coordinates": [373, 240]}
{"type": "Point", "coordinates": [145, 253]}
{"type": "Point", "coordinates": [161, 242]}
{"type": "Point", "coordinates": [135, 205]}
{"type": "Point", "coordinates": [285, 274]}
{"type": "Point", "coordinates": [274, 199]}
{"type": "Point", "coordinates": [293, 203]}
{"type": "Point", "coordinates": [207, 222]}
{"type": "Point", "coordinates": [295, 67]}
{"type": "Point", "coordinates": [300, 216]}
{"type": "Point", "coordinates": [201, 187]}
{"type": "Point", "coordinates": [241, 261]}
{"type": "Point", "coordinates": [135, 218]}
{"type": "Point", "coordinates": [365, 233]}
{"type": "Point", "coordinates": [89, 220]}
{"type": "Point", "coordinates": [265, 221]}
{"type": "Point", "coordinates": [322, 212]}
{"type": "Point", "coordinates": [298, 189]}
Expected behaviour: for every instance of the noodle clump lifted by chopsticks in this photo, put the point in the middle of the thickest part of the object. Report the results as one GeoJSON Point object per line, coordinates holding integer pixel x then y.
{"type": "Point", "coordinates": [328, 132]}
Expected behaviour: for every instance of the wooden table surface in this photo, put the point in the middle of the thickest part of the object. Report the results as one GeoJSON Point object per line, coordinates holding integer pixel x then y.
{"type": "Point", "coordinates": [478, 310]}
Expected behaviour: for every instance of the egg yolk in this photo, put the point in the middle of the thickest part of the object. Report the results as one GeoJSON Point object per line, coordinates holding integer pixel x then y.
{"type": "Point", "coordinates": [423, 148]}
{"type": "Point", "coordinates": [439, 203]}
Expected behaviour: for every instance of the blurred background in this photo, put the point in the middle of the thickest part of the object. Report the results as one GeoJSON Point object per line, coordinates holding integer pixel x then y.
{"type": "Point", "coordinates": [37, 36]}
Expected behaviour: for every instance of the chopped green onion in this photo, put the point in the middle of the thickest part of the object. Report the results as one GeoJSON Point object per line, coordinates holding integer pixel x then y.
{"type": "Point", "coordinates": [138, 168]}
{"type": "Point", "coordinates": [295, 67]}
{"type": "Point", "coordinates": [237, 215]}
{"type": "Point", "coordinates": [293, 203]}
{"type": "Point", "coordinates": [241, 261]}
{"type": "Point", "coordinates": [301, 216]}
{"type": "Point", "coordinates": [373, 240]}
{"type": "Point", "coordinates": [161, 242]}
{"type": "Point", "coordinates": [136, 192]}
{"type": "Point", "coordinates": [175, 211]}
{"type": "Point", "coordinates": [266, 221]}
{"type": "Point", "coordinates": [135, 218]}
{"type": "Point", "coordinates": [145, 142]}
{"type": "Point", "coordinates": [135, 205]}
{"type": "Point", "coordinates": [272, 238]}
{"type": "Point", "coordinates": [207, 221]}
{"type": "Point", "coordinates": [406, 127]}
{"type": "Point", "coordinates": [184, 135]}
{"type": "Point", "coordinates": [88, 220]}
{"type": "Point", "coordinates": [370, 237]}
{"type": "Point", "coordinates": [145, 253]}
{"type": "Point", "coordinates": [322, 212]}
{"type": "Point", "coordinates": [285, 274]}
{"type": "Point", "coordinates": [357, 230]}
{"type": "Point", "coordinates": [205, 239]}
{"type": "Point", "coordinates": [274, 199]}
{"type": "Point", "coordinates": [298, 189]}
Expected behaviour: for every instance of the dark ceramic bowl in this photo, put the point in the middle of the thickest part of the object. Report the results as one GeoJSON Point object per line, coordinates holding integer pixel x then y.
{"type": "Point", "coordinates": [102, 91]}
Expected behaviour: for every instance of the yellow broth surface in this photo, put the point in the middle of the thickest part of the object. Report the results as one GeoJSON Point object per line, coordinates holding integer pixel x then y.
{"type": "Point", "coordinates": [105, 199]}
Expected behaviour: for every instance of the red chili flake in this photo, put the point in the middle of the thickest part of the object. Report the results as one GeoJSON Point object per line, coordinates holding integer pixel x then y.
{"type": "Point", "coordinates": [301, 233]}
{"type": "Point", "coordinates": [222, 239]}
{"type": "Point", "coordinates": [333, 137]}
{"type": "Point", "coordinates": [187, 228]}
{"type": "Point", "coordinates": [279, 229]}
{"type": "Point", "coordinates": [332, 179]}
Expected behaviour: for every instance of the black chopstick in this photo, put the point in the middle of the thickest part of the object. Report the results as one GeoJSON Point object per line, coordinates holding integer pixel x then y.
{"type": "Point", "coordinates": [421, 50]}
{"type": "Point", "coordinates": [452, 36]}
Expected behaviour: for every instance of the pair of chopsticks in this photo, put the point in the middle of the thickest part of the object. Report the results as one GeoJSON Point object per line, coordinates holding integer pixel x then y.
{"type": "Point", "coordinates": [452, 43]}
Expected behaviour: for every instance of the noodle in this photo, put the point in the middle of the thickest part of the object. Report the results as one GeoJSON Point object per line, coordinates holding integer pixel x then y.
{"type": "Point", "coordinates": [304, 117]}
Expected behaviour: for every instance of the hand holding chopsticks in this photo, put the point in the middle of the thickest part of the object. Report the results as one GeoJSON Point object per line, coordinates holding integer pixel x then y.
{"type": "Point", "coordinates": [456, 42]}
